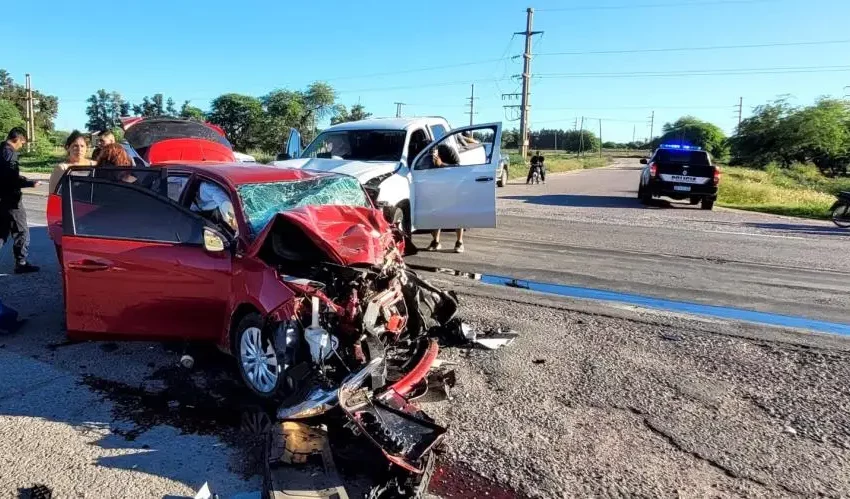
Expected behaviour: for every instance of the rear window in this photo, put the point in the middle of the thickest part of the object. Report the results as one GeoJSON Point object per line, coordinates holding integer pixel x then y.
{"type": "Point", "coordinates": [698, 158]}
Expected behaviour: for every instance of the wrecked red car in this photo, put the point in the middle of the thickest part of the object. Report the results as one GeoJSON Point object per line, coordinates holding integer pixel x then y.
{"type": "Point", "coordinates": [293, 272]}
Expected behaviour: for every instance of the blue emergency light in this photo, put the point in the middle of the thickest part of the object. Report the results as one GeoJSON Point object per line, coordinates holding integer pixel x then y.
{"type": "Point", "coordinates": [681, 147]}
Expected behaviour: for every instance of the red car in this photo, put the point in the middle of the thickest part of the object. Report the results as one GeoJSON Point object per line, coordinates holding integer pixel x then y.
{"type": "Point", "coordinates": [293, 272]}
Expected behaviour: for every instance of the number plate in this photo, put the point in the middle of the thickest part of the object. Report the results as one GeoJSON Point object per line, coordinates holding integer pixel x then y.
{"type": "Point", "coordinates": [682, 188]}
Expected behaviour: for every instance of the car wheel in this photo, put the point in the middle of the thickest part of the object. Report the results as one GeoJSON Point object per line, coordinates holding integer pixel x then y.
{"type": "Point", "coordinates": [503, 178]}
{"type": "Point", "coordinates": [707, 204]}
{"type": "Point", "coordinates": [256, 357]}
{"type": "Point", "coordinates": [398, 217]}
{"type": "Point", "coordinates": [694, 200]}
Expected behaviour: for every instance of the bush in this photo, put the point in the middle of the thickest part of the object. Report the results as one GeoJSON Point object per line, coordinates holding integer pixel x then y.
{"type": "Point", "coordinates": [41, 148]}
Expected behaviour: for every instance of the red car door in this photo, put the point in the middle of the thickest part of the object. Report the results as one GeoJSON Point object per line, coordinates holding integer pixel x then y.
{"type": "Point", "coordinates": [135, 266]}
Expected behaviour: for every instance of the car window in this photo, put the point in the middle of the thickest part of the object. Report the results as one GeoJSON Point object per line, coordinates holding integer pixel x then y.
{"type": "Point", "coordinates": [438, 131]}
{"type": "Point", "coordinates": [115, 210]}
{"type": "Point", "coordinates": [696, 158]}
{"type": "Point", "coordinates": [470, 148]}
{"type": "Point", "coordinates": [212, 202]}
{"type": "Point", "coordinates": [359, 145]}
{"type": "Point", "coordinates": [418, 142]}
{"type": "Point", "coordinates": [176, 186]}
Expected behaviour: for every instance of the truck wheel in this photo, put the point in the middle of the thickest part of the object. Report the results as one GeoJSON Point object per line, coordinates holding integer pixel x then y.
{"type": "Point", "coordinates": [398, 218]}
{"type": "Point", "coordinates": [503, 178]}
{"type": "Point", "coordinates": [694, 200]}
{"type": "Point", "coordinates": [707, 204]}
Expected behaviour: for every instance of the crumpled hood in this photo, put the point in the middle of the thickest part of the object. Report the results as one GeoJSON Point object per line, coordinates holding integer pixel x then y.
{"type": "Point", "coordinates": [363, 171]}
{"type": "Point", "coordinates": [347, 235]}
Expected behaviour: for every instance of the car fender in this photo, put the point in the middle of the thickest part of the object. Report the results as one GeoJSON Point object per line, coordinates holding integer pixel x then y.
{"type": "Point", "coordinates": [257, 285]}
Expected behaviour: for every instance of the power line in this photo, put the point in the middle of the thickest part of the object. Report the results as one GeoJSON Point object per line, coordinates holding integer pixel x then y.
{"type": "Point", "coordinates": [701, 72]}
{"type": "Point", "coordinates": [696, 49]}
{"type": "Point", "coordinates": [657, 5]}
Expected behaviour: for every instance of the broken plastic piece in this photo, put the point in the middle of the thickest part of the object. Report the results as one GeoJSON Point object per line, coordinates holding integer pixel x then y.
{"type": "Point", "coordinates": [205, 493]}
{"type": "Point", "coordinates": [296, 443]}
{"type": "Point", "coordinates": [417, 374]}
{"type": "Point", "coordinates": [319, 401]}
{"type": "Point", "coordinates": [496, 340]}
{"type": "Point", "coordinates": [468, 333]}
{"type": "Point", "coordinates": [187, 361]}
{"type": "Point", "coordinates": [321, 343]}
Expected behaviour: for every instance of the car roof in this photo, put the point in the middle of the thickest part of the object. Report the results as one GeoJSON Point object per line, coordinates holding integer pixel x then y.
{"type": "Point", "coordinates": [245, 173]}
{"type": "Point", "coordinates": [388, 123]}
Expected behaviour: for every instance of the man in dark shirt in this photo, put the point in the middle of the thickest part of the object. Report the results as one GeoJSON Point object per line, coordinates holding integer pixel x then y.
{"type": "Point", "coordinates": [537, 162]}
{"type": "Point", "coordinates": [445, 155]}
{"type": "Point", "coordinates": [13, 217]}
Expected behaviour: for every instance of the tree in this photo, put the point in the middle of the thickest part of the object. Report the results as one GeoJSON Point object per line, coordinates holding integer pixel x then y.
{"type": "Point", "coordinates": [151, 107]}
{"type": "Point", "coordinates": [45, 106]}
{"type": "Point", "coordinates": [510, 139]}
{"type": "Point", "coordinates": [357, 113]}
{"type": "Point", "coordinates": [10, 117]}
{"type": "Point", "coordinates": [695, 132]}
{"type": "Point", "coordinates": [241, 117]}
{"type": "Point", "coordinates": [760, 138]}
{"type": "Point", "coordinates": [820, 134]}
{"type": "Point", "coordinates": [189, 112]}
{"type": "Point", "coordinates": [579, 140]}
{"type": "Point", "coordinates": [170, 110]}
{"type": "Point", "coordinates": [105, 110]}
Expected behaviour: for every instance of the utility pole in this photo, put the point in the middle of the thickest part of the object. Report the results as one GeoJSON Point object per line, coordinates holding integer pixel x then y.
{"type": "Point", "coordinates": [581, 137]}
{"type": "Point", "coordinates": [740, 110]}
{"type": "Point", "coordinates": [29, 114]}
{"type": "Point", "coordinates": [575, 124]}
{"type": "Point", "coordinates": [634, 129]}
{"type": "Point", "coordinates": [526, 81]}
{"type": "Point", "coordinates": [398, 109]}
{"type": "Point", "coordinates": [471, 98]}
{"type": "Point", "coordinates": [651, 126]}
{"type": "Point", "coordinates": [600, 138]}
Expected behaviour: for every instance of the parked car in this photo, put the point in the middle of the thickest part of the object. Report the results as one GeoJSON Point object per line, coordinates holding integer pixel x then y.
{"type": "Point", "coordinates": [680, 172]}
{"type": "Point", "coordinates": [280, 267]}
{"type": "Point", "coordinates": [392, 159]}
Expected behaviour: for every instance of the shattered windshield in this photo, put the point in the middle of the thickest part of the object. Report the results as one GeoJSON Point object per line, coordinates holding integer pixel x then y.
{"type": "Point", "coordinates": [261, 202]}
{"type": "Point", "coordinates": [358, 145]}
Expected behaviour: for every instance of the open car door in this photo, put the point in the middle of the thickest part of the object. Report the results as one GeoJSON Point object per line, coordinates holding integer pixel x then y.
{"type": "Point", "coordinates": [453, 182]}
{"type": "Point", "coordinates": [136, 264]}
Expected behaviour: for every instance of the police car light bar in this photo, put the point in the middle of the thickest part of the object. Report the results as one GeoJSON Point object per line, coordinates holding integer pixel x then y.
{"type": "Point", "coordinates": [681, 147]}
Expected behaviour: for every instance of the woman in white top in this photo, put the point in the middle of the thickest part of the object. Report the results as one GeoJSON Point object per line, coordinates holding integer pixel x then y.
{"type": "Point", "coordinates": [76, 148]}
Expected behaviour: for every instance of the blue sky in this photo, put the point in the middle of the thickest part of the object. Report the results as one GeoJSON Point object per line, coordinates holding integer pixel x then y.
{"type": "Point", "coordinates": [198, 50]}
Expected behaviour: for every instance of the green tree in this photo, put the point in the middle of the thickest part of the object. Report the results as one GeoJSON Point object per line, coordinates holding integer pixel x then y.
{"type": "Point", "coordinates": [170, 110]}
{"type": "Point", "coordinates": [696, 132]}
{"type": "Point", "coordinates": [241, 117]}
{"type": "Point", "coordinates": [45, 106]}
{"type": "Point", "coordinates": [10, 117]}
{"type": "Point", "coordinates": [151, 107]}
{"type": "Point", "coordinates": [579, 140]}
{"type": "Point", "coordinates": [761, 138]}
{"type": "Point", "coordinates": [105, 110]}
{"type": "Point", "coordinates": [820, 134]}
{"type": "Point", "coordinates": [357, 113]}
{"type": "Point", "coordinates": [190, 112]}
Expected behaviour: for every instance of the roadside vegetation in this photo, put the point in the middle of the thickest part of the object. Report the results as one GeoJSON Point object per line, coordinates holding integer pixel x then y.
{"type": "Point", "coordinates": [799, 191]}
{"type": "Point", "coordinates": [556, 162]}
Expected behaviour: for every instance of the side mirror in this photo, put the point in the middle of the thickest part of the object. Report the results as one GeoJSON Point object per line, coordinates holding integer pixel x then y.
{"type": "Point", "coordinates": [282, 157]}
{"type": "Point", "coordinates": [214, 242]}
{"type": "Point", "coordinates": [643, 161]}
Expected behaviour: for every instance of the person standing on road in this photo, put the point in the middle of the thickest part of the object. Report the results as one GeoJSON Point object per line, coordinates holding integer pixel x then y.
{"type": "Point", "coordinates": [537, 161]}
{"type": "Point", "coordinates": [104, 138]}
{"type": "Point", "coordinates": [445, 155]}
{"type": "Point", "coordinates": [13, 216]}
{"type": "Point", "coordinates": [75, 148]}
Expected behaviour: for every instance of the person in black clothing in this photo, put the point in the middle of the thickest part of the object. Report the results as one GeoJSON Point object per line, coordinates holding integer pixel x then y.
{"type": "Point", "coordinates": [445, 155]}
{"type": "Point", "coordinates": [13, 217]}
{"type": "Point", "coordinates": [537, 162]}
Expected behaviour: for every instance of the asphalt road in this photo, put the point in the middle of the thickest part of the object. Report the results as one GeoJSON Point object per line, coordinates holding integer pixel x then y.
{"type": "Point", "coordinates": [592, 399]}
{"type": "Point", "coordinates": [588, 229]}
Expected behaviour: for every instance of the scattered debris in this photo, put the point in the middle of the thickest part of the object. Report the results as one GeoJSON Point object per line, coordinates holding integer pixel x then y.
{"type": "Point", "coordinates": [187, 361]}
{"type": "Point", "coordinates": [496, 341]}
{"type": "Point", "coordinates": [671, 337]}
{"type": "Point", "coordinates": [539, 361]}
{"type": "Point", "coordinates": [789, 430]}
{"type": "Point", "coordinates": [205, 493]}
{"type": "Point", "coordinates": [37, 491]}
{"type": "Point", "coordinates": [298, 443]}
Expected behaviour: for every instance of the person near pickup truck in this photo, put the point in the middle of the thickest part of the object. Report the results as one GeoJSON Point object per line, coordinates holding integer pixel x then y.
{"type": "Point", "coordinates": [445, 155]}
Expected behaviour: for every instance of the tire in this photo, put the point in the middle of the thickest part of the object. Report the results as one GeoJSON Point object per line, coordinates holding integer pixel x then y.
{"type": "Point", "coordinates": [503, 178]}
{"type": "Point", "coordinates": [645, 195]}
{"type": "Point", "coordinates": [841, 215]}
{"type": "Point", "coordinates": [694, 201]}
{"type": "Point", "coordinates": [398, 217]}
{"type": "Point", "coordinates": [256, 358]}
{"type": "Point", "coordinates": [707, 204]}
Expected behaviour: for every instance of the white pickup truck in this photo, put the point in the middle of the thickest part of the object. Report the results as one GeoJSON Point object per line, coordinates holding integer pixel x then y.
{"type": "Point", "coordinates": [392, 158]}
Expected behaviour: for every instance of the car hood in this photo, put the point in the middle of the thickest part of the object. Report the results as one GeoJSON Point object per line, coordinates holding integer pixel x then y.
{"type": "Point", "coordinates": [361, 170]}
{"type": "Point", "coordinates": [343, 235]}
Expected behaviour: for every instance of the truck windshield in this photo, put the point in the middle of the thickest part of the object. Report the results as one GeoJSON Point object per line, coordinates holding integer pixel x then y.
{"type": "Point", "coordinates": [261, 202]}
{"type": "Point", "coordinates": [358, 145]}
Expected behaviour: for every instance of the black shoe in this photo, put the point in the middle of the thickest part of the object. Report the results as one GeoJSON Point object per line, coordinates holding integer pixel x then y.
{"type": "Point", "coordinates": [458, 247]}
{"type": "Point", "coordinates": [435, 246]}
{"type": "Point", "coordinates": [26, 268]}
{"type": "Point", "coordinates": [13, 327]}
